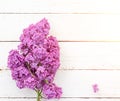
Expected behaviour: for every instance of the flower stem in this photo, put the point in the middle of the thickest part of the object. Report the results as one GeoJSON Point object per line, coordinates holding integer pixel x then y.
{"type": "Point", "coordinates": [29, 69]}
{"type": "Point", "coordinates": [38, 95]}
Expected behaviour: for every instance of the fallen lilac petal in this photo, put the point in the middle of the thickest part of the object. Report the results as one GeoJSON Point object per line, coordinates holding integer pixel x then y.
{"type": "Point", "coordinates": [95, 88]}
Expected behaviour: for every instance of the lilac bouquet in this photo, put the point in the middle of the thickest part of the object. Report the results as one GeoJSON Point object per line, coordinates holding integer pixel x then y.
{"type": "Point", "coordinates": [34, 64]}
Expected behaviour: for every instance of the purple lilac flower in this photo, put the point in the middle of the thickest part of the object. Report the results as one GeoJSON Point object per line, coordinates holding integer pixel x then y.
{"type": "Point", "coordinates": [34, 64]}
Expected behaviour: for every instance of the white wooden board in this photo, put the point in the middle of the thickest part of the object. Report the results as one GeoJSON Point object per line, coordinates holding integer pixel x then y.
{"type": "Point", "coordinates": [66, 27]}
{"type": "Point", "coordinates": [66, 99]}
{"type": "Point", "coordinates": [75, 83]}
{"type": "Point", "coordinates": [77, 55]}
{"type": "Point", "coordinates": [59, 6]}
{"type": "Point", "coordinates": [62, 99]}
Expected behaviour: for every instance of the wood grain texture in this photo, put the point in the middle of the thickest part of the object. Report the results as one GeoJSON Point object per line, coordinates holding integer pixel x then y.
{"type": "Point", "coordinates": [89, 37]}
{"type": "Point", "coordinates": [62, 99]}
{"type": "Point", "coordinates": [74, 84]}
{"type": "Point", "coordinates": [61, 6]}
{"type": "Point", "coordinates": [66, 27]}
{"type": "Point", "coordinates": [77, 55]}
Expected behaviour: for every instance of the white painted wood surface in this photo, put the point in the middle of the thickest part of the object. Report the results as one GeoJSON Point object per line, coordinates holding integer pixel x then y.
{"type": "Point", "coordinates": [62, 99]}
{"type": "Point", "coordinates": [66, 27]}
{"type": "Point", "coordinates": [60, 6]}
{"type": "Point", "coordinates": [75, 83]}
{"type": "Point", "coordinates": [89, 36]}
{"type": "Point", "coordinates": [78, 55]}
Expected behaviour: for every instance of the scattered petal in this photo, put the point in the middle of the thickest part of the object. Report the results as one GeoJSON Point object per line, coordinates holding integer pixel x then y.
{"type": "Point", "coordinates": [95, 88]}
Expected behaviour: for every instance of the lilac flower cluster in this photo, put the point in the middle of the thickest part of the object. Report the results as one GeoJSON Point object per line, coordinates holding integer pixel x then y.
{"type": "Point", "coordinates": [34, 64]}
